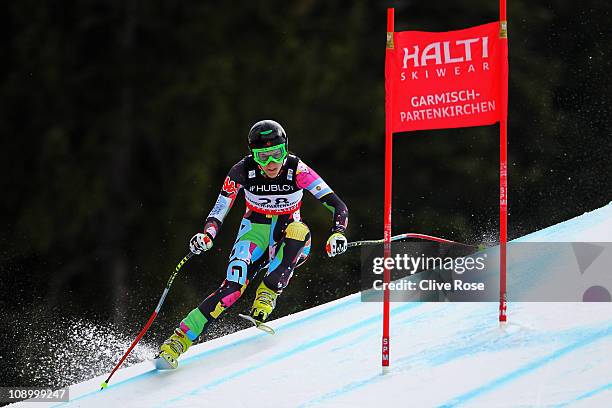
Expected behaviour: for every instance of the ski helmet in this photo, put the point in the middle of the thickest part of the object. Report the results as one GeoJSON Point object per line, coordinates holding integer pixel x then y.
{"type": "Point", "coordinates": [266, 133]}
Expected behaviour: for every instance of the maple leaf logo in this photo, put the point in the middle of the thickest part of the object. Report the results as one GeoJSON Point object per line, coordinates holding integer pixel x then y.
{"type": "Point", "coordinates": [229, 186]}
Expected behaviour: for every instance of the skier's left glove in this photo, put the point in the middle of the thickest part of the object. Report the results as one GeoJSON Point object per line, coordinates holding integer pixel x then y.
{"type": "Point", "coordinates": [336, 244]}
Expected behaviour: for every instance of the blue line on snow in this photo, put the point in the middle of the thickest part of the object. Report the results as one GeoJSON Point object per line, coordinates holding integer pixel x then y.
{"type": "Point", "coordinates": [401, 323]}
{"type": "Point", "coordinates": [291, 352]}
{"type": "Point", "coordinates": [342, 390]}
{"type": "Point", "coordinates": [586, 395]}
{"type": "Point", "coordinates": [589, 394]}
{"type": "Point", "coordinates": [527, 368]}
{"type": "Point", "coordinates": [286, 326]}
{"type": "Point", "coordinates": [448, 355]}
{"type": "Point", "coordinates": [402, 361]}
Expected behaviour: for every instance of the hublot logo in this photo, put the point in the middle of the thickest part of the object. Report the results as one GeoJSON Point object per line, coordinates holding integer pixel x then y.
{"type": "Point", "coordinates": [269, 188]}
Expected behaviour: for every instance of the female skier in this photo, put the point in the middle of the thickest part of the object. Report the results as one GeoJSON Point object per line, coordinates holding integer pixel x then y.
{"type": "Point", "coordinates": [271, 233]}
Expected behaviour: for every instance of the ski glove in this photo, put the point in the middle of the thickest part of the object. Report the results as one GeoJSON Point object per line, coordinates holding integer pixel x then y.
{"type": "Point", "coordinates": [200, 243]}
{"type": "Point", "coordinates": [336, 244]}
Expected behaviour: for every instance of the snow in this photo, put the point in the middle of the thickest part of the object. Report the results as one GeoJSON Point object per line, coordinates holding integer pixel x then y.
{"type": "Point", "coordinates": [442, 354]}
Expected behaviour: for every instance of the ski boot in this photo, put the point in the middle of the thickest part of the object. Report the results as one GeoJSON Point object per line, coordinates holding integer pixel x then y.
{"type": "Point", "coordinates": [264, 303]}
{"type": "Point", "coordinates": [265, 300]}
{"type": "Point", "coordinates": [172, 348]}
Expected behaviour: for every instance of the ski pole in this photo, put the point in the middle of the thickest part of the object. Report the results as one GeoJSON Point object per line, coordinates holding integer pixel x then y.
{"type": "Point", "coordinates": [411, 235]}
{"type": "Point", "coordinates": [150, 321]}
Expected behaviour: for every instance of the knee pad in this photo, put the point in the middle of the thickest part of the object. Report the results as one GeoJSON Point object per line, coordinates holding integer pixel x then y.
{"type": "Point", "coordinates": [297, 230]}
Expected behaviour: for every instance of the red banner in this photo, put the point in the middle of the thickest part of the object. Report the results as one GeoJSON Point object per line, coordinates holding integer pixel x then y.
{"type": "Point", "coordinates": [443, 80]}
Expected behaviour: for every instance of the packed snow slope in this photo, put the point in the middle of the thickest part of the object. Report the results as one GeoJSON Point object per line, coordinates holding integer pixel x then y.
{"type": "Point", "coordinates": [442, 354]}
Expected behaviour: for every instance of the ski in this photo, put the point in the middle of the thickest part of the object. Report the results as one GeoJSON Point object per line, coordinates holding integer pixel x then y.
{"type": "Point", "coordinates": [258, 324]}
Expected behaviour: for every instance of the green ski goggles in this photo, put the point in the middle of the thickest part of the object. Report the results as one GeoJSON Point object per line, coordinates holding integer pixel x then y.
{"type": "Point", "coordinates": [266, 155]}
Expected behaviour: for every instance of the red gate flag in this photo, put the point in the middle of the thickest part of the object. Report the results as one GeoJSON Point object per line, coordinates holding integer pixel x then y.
{"type": "Point", "coordinates": [444, 80]}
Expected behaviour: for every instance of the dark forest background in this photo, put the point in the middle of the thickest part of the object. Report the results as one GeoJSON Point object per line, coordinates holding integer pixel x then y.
{"type": "Point", "coordinates": [120, 120]}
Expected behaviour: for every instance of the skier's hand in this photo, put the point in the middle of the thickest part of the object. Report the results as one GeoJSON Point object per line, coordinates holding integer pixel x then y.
{"type": "Point", "coordinates": [200, 243]}
{"type": "Point", "coordinates": [336, 244]}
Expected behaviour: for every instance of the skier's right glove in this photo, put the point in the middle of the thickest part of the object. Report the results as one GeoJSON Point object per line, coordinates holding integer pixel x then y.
{"type": "Point", "coordinates": [200, 242]}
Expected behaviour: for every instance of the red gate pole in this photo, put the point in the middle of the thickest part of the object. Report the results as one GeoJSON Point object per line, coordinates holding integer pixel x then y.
{"type": "Point", "coordinates": [503, 160]}
{"type": "Point", "coordinates": [388, 181]}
